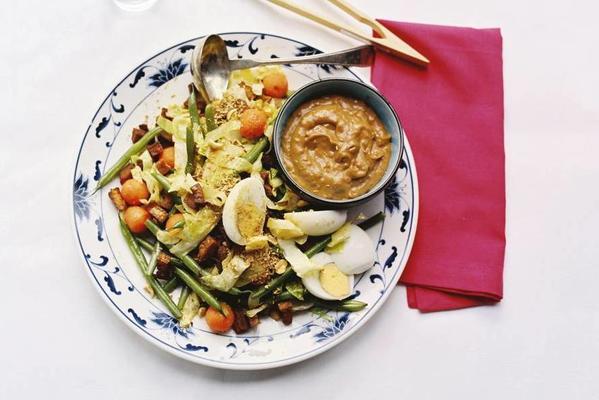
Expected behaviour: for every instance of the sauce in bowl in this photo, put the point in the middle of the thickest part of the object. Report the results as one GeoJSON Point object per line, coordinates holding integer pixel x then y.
{"type": "Point", "coordinates": [336, 147]}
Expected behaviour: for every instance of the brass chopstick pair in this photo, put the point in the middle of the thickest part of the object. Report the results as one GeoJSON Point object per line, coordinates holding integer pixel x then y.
{"type": "Point", "coordinates": [388, 41]}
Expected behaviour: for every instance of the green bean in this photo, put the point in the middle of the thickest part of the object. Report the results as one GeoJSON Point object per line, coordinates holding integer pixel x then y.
{"type": "Point", "coordinates": [150, 247]}
{"type": "Point", "coordinates": [190, 147]}
{"type": "Point", "coordinates": [193, 266]}
{"type": "Point", "coordinates": [209, 113]}
{"type": "Point", "coordinates": [178, 225]}
{"type": "Point", "coordinates": [193, 108]}
{"type": "Point", "coordinates": [198, 288]}
{"type": "Point", "coordinates": [183, 297]}
{"type": "Point", "coordinates": [155, 252]}
{"type": "Point", "coordinates": [133, 246]}
{"type": "Point", "coordinates": [260, 146]}
{"type": "Point", "coordinates": [162, 181]}
{"type": "Point", "coordinates": [318, 246]}
{"type": "Point", "coordinates": [164, 297]}
{"type": "Point", "coordinates": [254, 298]}
{"type": "Point", "coordinates": [143, 266]}
{"type": "Point", "coordinates": [285, 296]}
{"type": "Point", "coordinates": [372, 221]}
{"type": "Point", "coordinates": [341, 305]}
{"type": "Point", "coordinates": [171, 284]}
{"type": "Point", "coordinates": [145, 244]}
{"type": "Point", "coordinates": [137, 148]}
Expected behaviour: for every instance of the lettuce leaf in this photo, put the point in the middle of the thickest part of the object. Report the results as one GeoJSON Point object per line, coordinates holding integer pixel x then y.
{"type": "Point", "coordinates": [190, 310]}
{"type": "Point", "coordinates": [296, 289]}
{"type": "Point", "coordinates": [181, 182]}
{"type": "Point", "coordinates": [197, 227]}
{"type": "Point", "coordinates": [257, 242]}
{"type": "Point", "coordinates": [284, 229]}
{"type": "Point", "coordinates": [300, 263]}
{"type": "Point", "coordinates": [217, 182]}
{"type": "Point", "coordinates": [233, 267]}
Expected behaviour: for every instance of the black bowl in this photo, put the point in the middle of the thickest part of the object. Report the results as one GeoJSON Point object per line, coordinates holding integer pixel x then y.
{"type": "Point", "coordinates": [348, 88]}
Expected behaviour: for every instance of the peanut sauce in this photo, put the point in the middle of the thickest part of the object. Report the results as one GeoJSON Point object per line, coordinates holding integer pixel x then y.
{"type": "Point", "coordinates": [336, 147]}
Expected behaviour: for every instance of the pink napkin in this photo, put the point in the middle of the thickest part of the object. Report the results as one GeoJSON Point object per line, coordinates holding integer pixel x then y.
{"type": "Point", "coordinates": [453, 116]}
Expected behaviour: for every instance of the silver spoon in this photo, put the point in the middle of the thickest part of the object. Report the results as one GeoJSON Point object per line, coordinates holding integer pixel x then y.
{"type": "Point", "coordinates": [211, 66]}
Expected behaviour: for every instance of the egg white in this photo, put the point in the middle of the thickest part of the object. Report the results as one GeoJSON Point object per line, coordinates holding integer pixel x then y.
{"type": "Point", "coordinates": [248, 190]}
{"type": "Point", "coordinates": [318, 223]}
{"type": "Point", "coordinates": [357, 254]}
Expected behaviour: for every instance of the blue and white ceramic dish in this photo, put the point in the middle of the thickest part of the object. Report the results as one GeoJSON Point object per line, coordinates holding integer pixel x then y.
{"type": "Point", "coordinates": [162, 80]}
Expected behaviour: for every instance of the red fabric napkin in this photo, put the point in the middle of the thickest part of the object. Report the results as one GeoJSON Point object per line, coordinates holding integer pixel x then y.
{"type": "Point", "coordinates": [453, 116]}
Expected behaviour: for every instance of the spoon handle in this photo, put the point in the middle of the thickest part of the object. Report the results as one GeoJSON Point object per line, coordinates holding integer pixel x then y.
{"type": "Point", "coordinates": [361, 56]}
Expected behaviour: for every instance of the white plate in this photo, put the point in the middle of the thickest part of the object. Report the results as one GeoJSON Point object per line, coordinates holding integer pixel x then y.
{"type": "Point", "coordinates": [160, 81]}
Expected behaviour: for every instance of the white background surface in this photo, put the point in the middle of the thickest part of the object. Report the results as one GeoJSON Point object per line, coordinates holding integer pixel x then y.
{"type": "Point", "coordinates": [58, 338]}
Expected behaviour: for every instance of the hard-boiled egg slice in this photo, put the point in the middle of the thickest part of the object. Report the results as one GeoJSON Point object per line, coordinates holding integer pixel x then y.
{"type": "Point", "coordinates": [317, 223]}
{"type": "Point", "coordinates": [357, 254]}
{"type": "Point", "coordinates": [244, 212]}
{"type": "Point", "coordinates": [328, 283]}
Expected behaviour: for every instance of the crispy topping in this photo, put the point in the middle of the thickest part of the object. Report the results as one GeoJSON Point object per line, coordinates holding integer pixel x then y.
{"type": "Point", "coordinates": [225, 108]}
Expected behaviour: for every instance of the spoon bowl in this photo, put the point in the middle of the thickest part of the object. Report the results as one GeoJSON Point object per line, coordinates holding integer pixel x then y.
{"type": "Point", "coordinates": [211, 67]}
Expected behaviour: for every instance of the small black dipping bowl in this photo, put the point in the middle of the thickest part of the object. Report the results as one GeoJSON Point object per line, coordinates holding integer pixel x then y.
{"type": "Point", "coordinates": [348, 88]}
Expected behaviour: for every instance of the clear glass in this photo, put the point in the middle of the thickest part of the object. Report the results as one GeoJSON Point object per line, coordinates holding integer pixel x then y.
{"type": "Point", "coordinates": [135, 5]}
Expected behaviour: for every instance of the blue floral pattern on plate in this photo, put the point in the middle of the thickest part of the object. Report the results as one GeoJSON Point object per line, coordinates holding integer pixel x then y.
{"type": "Point", "coordinates": [164, 78]}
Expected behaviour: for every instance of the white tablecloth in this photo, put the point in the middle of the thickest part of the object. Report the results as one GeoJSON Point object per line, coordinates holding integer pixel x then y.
{"type": "Point", "coordinates": [59, 340]}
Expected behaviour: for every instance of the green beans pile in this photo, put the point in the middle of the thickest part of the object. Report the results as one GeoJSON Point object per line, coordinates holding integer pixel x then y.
{"type": "Point", "coordinates": [143, 266]}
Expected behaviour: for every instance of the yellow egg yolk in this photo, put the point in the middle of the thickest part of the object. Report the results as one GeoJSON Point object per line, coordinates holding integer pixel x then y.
{"type": "Point", "coordinates": [333, 281]}
{"type": "Point", "coordinates": [250, 220]}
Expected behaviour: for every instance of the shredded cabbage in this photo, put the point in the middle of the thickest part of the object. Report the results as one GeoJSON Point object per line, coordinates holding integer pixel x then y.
{"type": "Point", "coordinates": [240, 164]}
{"type": "Point", "coordinates": [181, 182]}
{"type": "Point", "coordinates": [284, 229]}
{"type": "Point", "coordinates": [300, 263]}
{"type": "Point", "coordinates": [229, 130]}
{"type": "Point", "coordinates": [214, 196]}
{"type": "Point", "coordinates": [253, 75]}
{"type": "Point", "coordinates": [233, 267]}
{"type": "Point", "coordinates": [296, 289]}
{"type": "Point", "coordinates": [216, 183]}
{"type": "Point", "coordinates": [257, 242]}
{"type": "Point", "coordinates": [238, 92]}
{"type": "Point", "coordinates": [190, 310]}
{"type": "Point", "coordinates": [255, 311]}
{"type": "Point", "coordinates": [168, 237]}
{"type": "Point", "coordinates": [197, 227]}
{"type": "Point", "coordinates": [144, 174]}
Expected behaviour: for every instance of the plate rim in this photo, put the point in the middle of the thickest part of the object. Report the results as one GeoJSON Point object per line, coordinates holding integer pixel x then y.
{"type": "Point", "coordinates": [244, 366]}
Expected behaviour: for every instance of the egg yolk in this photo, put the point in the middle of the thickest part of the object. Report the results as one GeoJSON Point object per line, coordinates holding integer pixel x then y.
{"type": "Point", "coordinates": [333, 281]}
{"type": "Point", "coordinates": [249, 220]}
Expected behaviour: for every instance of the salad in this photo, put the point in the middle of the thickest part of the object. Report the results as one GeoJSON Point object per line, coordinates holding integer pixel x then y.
{"type": "Point", "coordinates": [214, 229]}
